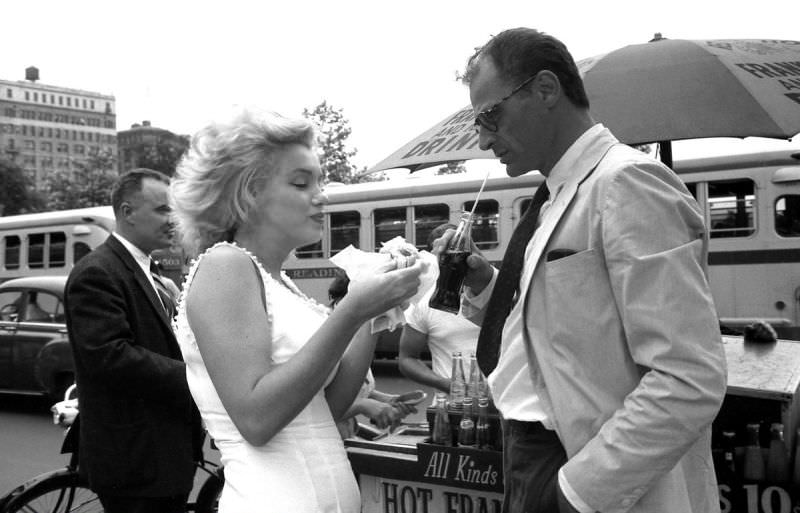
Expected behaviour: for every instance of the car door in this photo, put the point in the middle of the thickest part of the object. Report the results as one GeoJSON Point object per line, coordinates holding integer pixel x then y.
{"type": "Point", "coordinates": [41, 320]}
{"type": "Point", "coordinates": [11, 302]}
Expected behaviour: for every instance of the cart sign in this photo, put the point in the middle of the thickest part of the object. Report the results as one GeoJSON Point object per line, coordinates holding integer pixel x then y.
{"type": "Point", "coordinates": [381, 495]}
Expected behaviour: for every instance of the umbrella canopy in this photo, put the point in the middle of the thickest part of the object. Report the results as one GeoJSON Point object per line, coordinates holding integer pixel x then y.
{"type": "Point", "coordinates": [664, 90]}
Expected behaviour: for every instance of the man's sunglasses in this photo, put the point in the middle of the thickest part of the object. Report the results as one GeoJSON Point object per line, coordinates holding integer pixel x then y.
{"type": "Point", "coordinates": [488, 118]}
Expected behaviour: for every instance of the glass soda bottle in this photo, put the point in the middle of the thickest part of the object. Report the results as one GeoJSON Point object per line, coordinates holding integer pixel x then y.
{"type": "Point", "coordinates": [483, 432]}
{"type": "Point", "coordinates": [453, 268]}
{"type": "Point", "coordinates": [753, 458]}
{"type": "Point", "coordinates": [729, 455]}
{"type": "Point", "coordinates": [466, 428]}
{"type": "Point", "coordinates": [458, 383]}
{"type": "Point", "coordinates": [441, 422]}
{"type": "Point", "coordinates": [778, 456]}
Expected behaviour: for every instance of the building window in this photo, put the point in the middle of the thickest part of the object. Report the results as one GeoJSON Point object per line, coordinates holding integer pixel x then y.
{"type": "Point", "coordinates": [61, 100]}
{"type": "Point", "coordinates": [9, 93]}
{"type": "Point", "coordinates": [79, 149]}
{"type": "Point", "coordinates": [36, 97]}
{"type": "Point", "coordinates": [91, 104]}
{"type": "Point", "coordinates": [27, 95]}
{"type": "Point", "coordinates": [53, 99]}
{"type": "Point", "coordinates": [69, 101]}
{"type": "Point", "coordinates": [30, 145]}
{"type": "Point", "coordinates": [46, 146]}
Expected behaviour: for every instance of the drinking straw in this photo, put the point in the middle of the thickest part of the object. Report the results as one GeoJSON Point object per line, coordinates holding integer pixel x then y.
{"type": "Point", "coordinates": [479, 192]}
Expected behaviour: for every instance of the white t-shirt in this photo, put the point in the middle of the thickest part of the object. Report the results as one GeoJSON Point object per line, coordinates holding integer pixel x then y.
{"type": "Point", "coordinates": [446, 333]}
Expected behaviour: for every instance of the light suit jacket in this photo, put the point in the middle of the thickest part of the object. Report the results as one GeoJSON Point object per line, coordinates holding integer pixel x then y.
{"type": "Point", "coordinates": [624, 343]}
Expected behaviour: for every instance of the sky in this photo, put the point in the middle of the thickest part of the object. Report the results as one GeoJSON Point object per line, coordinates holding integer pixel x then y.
{"type": "Point", "coordinates": [390, 66]}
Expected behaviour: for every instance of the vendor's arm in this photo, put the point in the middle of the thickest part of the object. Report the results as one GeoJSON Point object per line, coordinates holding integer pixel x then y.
{"type": "Point", "coordinates": [412, 344]}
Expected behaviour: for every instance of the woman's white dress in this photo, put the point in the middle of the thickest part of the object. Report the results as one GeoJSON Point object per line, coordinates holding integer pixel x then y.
{"type": "Point", "coordinates": [302, 469]}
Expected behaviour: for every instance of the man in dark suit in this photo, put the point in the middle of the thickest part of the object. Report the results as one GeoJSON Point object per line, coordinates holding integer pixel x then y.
{"type": "Point", "coordinates": [139, 431]}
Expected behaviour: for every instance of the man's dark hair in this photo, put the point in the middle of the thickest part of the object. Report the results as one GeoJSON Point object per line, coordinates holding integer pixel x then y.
{"type": "Point", "coordinates": [522, 52]}
{"type": "Point", "coordinates": [438, 232]}
{"type": "Point", "coordinates": [130, 182]}
{"type": "Point", "coordinates": [338, 288]}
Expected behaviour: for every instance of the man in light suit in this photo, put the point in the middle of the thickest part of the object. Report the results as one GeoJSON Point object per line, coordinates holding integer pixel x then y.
{"type": "Point", "coordinates": [139, 429]}
{"type": "Point", "coordinates": [602, 348]}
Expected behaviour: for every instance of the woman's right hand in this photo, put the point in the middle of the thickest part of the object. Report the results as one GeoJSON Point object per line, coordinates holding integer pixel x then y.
{"type": "Point", "coordinates": [389, 287]}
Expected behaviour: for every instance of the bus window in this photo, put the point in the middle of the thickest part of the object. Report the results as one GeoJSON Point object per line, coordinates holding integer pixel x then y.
{"type": "Point", "coordinates": [36, 250]}
{"type": "Point", "coordinates": [310, 251]}
{"type": "Point", "coordinates": [344, 230]}
{"type": "Point", "coordinates": [12, 247]}
{"type": "Point", "coordinates": [80, 250]}
{"type": "Point", "coordinates": [787, 215]}
{"type": "Point", "coordinates": [484, 223]}
{"type": "Point", "coordinates": [692, 189]}
{"type": "Point", "coordinates": [389, 223]}
{"type": "Point", "coordinates": [731, 205]}
{"type": "Point", "coordinates": [426, 218]}
{"type": "Point", "coordinates": [57, 250]}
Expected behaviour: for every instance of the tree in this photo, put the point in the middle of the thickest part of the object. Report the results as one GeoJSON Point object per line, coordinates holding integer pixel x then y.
{"type": "Point", "coordinates": [87, 184]}
{"type": "Point", "coordinates": [17, 192]}
{"type": "Point", "coordinates": [161, 156]}
{"type": "Point", "coordinates": [452, 167]}
{"type": "Point", "coordinates": [333, 129]}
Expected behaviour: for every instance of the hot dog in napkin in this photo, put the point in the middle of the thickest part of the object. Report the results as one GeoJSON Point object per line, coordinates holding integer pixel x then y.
{"type": "Point", "coordinates": [357, 264]}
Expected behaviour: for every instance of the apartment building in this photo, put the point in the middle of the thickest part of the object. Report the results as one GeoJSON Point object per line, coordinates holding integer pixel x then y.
{"type": "Point", "coordinates": [45, 128]}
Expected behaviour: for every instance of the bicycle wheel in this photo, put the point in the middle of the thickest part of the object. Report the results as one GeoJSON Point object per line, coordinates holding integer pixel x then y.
{"type": "Point", "coordinates": [208, 497]}
{"type": "Point", "coordinates": [65, 493]}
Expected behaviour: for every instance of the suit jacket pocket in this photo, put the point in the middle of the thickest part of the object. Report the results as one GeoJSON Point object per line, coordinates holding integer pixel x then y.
{"type": "Point", "coordinates": [121, 455]}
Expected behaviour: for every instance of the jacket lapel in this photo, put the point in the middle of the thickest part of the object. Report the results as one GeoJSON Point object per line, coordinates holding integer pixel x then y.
{"type": "Point", "coordinates": [140, 278]}
{"type": "Point", "coordinates": [590, 159]}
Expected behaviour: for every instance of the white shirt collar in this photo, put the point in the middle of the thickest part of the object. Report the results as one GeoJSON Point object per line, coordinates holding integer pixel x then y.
{"type": "Point", "coordinates": [565, 167]}
{"type": "Point", "coordinates": [142, 258]}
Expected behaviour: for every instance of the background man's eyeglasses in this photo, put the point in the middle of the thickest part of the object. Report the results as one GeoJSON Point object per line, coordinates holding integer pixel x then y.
{"type": "Point", "coordinates": [488, 118]}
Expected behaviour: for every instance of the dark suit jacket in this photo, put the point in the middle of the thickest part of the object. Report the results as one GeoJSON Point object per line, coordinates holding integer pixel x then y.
{"type": "Point", "coordinates": [140, 430]}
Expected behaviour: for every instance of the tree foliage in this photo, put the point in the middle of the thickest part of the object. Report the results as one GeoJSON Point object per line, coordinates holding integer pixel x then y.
{"type": "Point", "coordinates": [161, 156]}
{"type": "Point", "coordinates": [17, 192]}
{"type": "Point", "coordinates": [452, 167]}
{"type": "Point", "coordinates": [87, 184]}
{"type": "Point", "coordinates": [333, 129]}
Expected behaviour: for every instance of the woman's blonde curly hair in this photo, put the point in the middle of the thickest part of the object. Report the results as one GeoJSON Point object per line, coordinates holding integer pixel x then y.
{"type": "Point", "coordinates": [227, 164]}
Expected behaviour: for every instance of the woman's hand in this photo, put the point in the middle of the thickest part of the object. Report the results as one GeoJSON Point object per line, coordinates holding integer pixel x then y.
{"type": "Point", "coordinates": [373, 295]}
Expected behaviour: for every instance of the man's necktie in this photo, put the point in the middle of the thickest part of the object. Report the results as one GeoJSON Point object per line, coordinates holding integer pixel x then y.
{"type": "Point", "coordinates": [167, 301]}
{"type": "Point", "coordinates": [507, 285]}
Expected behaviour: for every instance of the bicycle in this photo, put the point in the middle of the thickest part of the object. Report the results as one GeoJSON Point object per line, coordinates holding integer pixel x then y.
{"type": "Point", "coordinates": [64, 490]}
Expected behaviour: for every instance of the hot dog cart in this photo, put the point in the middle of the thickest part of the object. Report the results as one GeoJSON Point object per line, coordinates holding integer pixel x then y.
{"type": "Point", "coordinates": [403, 472]}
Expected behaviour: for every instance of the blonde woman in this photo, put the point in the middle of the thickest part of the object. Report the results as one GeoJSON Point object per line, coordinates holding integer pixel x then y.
{"type": "Point", "coordinates": [269, 368]}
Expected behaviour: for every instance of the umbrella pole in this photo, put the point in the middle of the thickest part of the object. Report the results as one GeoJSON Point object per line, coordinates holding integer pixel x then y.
{"type": "Point", "coordinates": [665, 152]}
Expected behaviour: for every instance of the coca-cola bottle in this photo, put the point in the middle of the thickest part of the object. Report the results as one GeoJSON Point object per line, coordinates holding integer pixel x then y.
{"type": "Point", "coordinates": [778, 456]}
{"type": "Point", "coordinates": [466, 428]}
{"type": "Point", "coordinates": [753, 470]}
{"type": "Point", "coordinates": [441, 433]}
{"type": "Point", "coordinates": [453, 268]}
{"type": "Point", "coordinates": [458, 383]}
{"type": "Point", "coordinates": [483, 430]}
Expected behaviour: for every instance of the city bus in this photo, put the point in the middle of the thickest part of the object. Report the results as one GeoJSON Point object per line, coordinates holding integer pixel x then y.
{"type": "Point", "coordinates": [751, 205]}
{"type": "Point", "coordinates": [49, 243]}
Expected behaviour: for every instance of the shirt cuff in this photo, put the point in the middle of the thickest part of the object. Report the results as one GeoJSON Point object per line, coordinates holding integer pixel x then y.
{"type": "Point", "coordinates": [570, 494]}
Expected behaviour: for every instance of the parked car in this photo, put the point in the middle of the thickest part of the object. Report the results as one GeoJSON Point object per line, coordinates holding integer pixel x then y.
{"type": "Point", "coordinates": [35, 356]}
